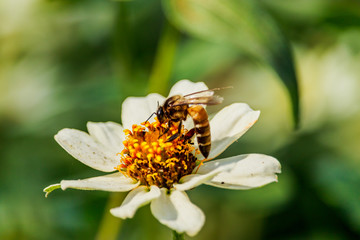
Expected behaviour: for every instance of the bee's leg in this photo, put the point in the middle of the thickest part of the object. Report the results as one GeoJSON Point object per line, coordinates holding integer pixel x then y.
{"type": "Point", "coordinates": [173, 137]}
{"type": "Point", "coordinates": [176, 135]}
{"type": "Point", "coordinates": [179, 127]}
{"type": "Point", "coordinates": [166, 130]}
{"type": "Point", "coordinates": [190, 134]}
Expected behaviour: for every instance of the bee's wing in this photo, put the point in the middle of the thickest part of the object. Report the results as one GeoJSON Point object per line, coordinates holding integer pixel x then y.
{"type": "Point", "coordinates": [205, 97]}
{"type": "Point", "coordinates": [204, 93]}
{"type": "Point", "coordinates": [205, 100]}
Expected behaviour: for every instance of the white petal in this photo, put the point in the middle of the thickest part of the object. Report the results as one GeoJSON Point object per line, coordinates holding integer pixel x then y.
{"type": "Point", "coordinates": [229, 124]}
{"type": "Point", "coordinates": [109, 134]}
{"type": "Point", "coordinates": [193, 180]}
{"type": "Point", "coordinates": [177, 212]}
{"type": "Point", "coordinates": [243, 171]}
{"type": "Point", "coordinates": [115, 182]}
{"type": "Point", "coordinates": [184, 87]}
{"type": "Point", "coordinates": [136, 110]}
{"type": "Point", "coordinates": [88, 151]}
{"type": "Point", "coordinates": [137, 198]}
{"type": "Point", "coordinates": [189, 124]}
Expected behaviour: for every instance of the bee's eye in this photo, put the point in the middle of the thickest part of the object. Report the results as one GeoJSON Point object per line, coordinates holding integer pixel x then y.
{"type": "Point", "coordinates": [160, 114]}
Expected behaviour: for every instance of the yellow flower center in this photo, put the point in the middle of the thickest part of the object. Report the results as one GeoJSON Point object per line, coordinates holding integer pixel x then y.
{"type": "Point", "coordinates": [149, 158]}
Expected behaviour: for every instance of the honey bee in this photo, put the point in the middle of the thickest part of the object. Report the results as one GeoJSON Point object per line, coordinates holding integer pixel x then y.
{"type": "Point", "coordinates": [176, 109]}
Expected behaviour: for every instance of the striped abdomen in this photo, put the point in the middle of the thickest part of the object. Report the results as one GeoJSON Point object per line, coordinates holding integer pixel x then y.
{"type": "Point", "coordinates": [202, 128]}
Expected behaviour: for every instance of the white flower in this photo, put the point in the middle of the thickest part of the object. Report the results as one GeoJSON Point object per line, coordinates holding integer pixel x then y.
{"type": "Point", "coordinates": [171, 207]}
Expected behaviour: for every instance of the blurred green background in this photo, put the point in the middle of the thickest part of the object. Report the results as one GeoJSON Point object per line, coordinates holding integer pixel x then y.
{"type": "Point", "coordinates": [66, 62]}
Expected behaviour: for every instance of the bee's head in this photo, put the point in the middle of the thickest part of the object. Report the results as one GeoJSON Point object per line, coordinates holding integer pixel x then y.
{"type": "Point", "coordinates": [160, 114]}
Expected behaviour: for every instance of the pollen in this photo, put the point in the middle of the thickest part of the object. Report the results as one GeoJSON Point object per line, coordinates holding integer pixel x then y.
{"type": "Point", "coordinates": [149, 158]}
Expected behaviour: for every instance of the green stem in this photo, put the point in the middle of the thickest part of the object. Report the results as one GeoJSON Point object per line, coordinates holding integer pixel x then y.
{"type": "Point", "coordinates": [178, 236]}
{"type": "Point", "coordinates": [164, 59]}
{"type": "Point", "coordinates": [110, 226]}
{"type": "Point", "coordinates": [122, 40]}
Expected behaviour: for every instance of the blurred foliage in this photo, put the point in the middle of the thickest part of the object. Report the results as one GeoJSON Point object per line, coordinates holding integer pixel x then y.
{"type": "Point", "coordinates": [63, 63]}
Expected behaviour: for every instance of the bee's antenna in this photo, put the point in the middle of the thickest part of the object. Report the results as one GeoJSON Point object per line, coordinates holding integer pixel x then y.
{"type": "Point", "coordinates": [150, 116]}
{"type": "Point", "coordinates": [158, 105]}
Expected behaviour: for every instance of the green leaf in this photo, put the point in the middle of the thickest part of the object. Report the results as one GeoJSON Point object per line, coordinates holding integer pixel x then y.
{"type": "Point", "coordinates": [244, 25]}
{"type": "Point", "coordinates": [337, 182]}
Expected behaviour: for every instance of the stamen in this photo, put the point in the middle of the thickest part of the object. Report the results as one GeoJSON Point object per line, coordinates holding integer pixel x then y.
{"type": "Point", "coordinates": [148, 158]}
